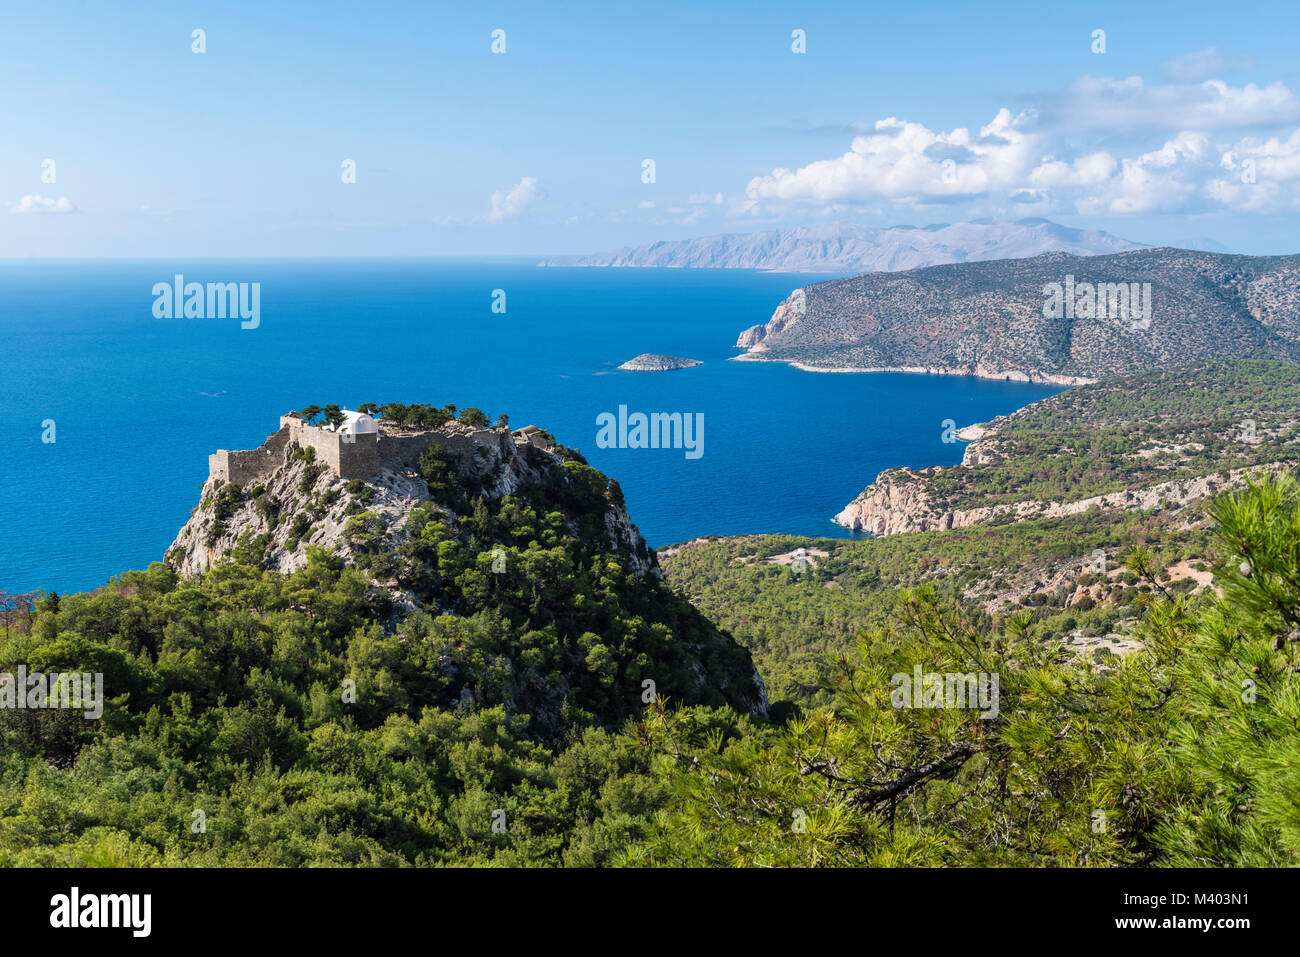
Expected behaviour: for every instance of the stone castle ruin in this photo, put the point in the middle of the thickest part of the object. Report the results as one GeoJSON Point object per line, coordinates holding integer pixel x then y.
{"type": "Point", "coordinates": [359, 449]}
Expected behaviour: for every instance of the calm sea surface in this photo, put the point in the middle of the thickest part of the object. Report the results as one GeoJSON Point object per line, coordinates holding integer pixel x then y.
{"type": "Point", "coordinates": [139, 402]}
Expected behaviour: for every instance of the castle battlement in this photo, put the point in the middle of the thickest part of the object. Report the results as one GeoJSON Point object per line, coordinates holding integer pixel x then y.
{"type": "Point", "coordinates": [361, 455]}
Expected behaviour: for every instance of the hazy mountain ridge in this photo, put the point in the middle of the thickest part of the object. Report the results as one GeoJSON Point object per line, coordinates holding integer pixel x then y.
{"type": "Point", "coordinates": [849, 247]}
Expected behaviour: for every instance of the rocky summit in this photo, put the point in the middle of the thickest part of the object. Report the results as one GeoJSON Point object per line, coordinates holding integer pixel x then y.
{"type": "Point", "coordinates": [509, 534]}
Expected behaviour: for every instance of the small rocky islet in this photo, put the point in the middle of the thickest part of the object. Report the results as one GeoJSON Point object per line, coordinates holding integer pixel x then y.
{"type": "Point", "coordinates": [653, 362]}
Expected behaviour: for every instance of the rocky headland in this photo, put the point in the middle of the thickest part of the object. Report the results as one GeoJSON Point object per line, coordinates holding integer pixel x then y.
{"type": "Point", "coordinates": [1054, 318]}
{"type": "Point", "coordinates": [1156, 441]}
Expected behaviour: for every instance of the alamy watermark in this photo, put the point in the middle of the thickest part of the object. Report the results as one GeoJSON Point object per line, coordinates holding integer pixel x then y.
{"type": "Point", "coordinates": [74, 909]}
{"type": "Point", "coordinates": [656, 430]}
{"type": "Point", "coordinates": [24, 691]}
{"type": "Point", "coordinates": [930, 689]}
{"type": "Point", "coordinates": [179, 299]}
{"type": "Point", "coordinates": [1130, 301]}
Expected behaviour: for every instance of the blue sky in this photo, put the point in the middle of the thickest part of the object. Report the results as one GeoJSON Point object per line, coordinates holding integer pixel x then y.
{"type": "Point", "coordinates": [1186, 127]}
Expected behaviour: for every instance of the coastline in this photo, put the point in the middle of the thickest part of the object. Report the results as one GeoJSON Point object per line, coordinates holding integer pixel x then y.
{"type": "Point", "coordinates": [1012, 375]}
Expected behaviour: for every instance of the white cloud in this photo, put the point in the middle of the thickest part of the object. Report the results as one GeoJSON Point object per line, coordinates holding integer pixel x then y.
{"type": "Point", "coordinates": [1258, 175]}
{"type": "Point", "coordinates": [42, 204]}
{"type": "Point", "coordinates": [907, 162]}
{"type": "Point", "coordinates": [1275, 159]}
{"type": "Point", "coordinates": [1115, 154]}
{"type": "Point", "coordinates": [511, 203]}
{"type": "Point", "coordinates": [1083, 171]}
{"type": "Point", "coordinates": [1101, 103]}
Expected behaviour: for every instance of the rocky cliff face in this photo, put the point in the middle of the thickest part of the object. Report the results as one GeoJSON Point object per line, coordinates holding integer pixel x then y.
{"type": "Point", "coordinates": [900, 501]}
{"type": "Point", "coordinates": [304, 503]}
{"type": "Point", "coordinates": [1158, 440]}
{"type": "Point", "coordinates": [790, 311]}
{"type": "Point", "coordinates": [510, 569]}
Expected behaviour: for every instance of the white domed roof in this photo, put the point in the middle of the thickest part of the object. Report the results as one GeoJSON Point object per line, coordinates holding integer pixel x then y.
{"type": "Point", "coordinates": [356, 423]}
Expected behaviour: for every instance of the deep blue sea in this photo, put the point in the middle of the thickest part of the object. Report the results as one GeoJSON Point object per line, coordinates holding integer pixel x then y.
{"type": "Point", "coordinates": [139, 402]}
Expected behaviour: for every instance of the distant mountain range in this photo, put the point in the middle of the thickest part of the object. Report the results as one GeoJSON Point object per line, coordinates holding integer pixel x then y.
{"type": "Point", "coordinates": [847, 247]}
{"type": "Point", "coordinates": [1054, 317]}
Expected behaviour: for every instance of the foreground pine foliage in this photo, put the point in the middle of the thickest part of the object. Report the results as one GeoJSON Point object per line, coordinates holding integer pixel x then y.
{"type": "Point", "coordinates": [1185, 753]}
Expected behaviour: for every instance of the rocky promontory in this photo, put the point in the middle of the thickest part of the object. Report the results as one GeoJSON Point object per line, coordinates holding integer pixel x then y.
{"type": "Point", "coordinates": [497, 568]}
{"type": "Point", "coordinates": [1156, 441]}
{"type": "Point", "coordinates": [1054, 318]}
{"type": "Point", "coordinates": [302, 502]}
{"type": "Point", "coordinates": [898, 502]}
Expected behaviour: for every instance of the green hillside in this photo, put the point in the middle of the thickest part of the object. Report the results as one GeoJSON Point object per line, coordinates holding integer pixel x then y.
{"type": "Point", "coordinates": [1152, 440]}
{"type": "Point", "coordinates": [995, 318]}
{"type": "Point", "coordinates": [312, 718]}
{"type": "Point", "coordinates": [410, 702]}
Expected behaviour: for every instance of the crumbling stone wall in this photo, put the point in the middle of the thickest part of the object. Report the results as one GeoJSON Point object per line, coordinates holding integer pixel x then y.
{"type": "Point", "coordinates": [404, 451]}
{"type": "Point", "coordinates": [361, 456]}
{"type": "Point", "coordinates": [246, 467]}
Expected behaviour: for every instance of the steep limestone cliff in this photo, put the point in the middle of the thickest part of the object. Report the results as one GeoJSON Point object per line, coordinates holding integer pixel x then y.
{"type": "Point", "coordinates": [899, 501]}
{"type": "Point", "coordinates": [305, 503]}
{"type": "Point", "coordinates": [516, 551]}
{"type": "Point", "coordinates": [788, 312]}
